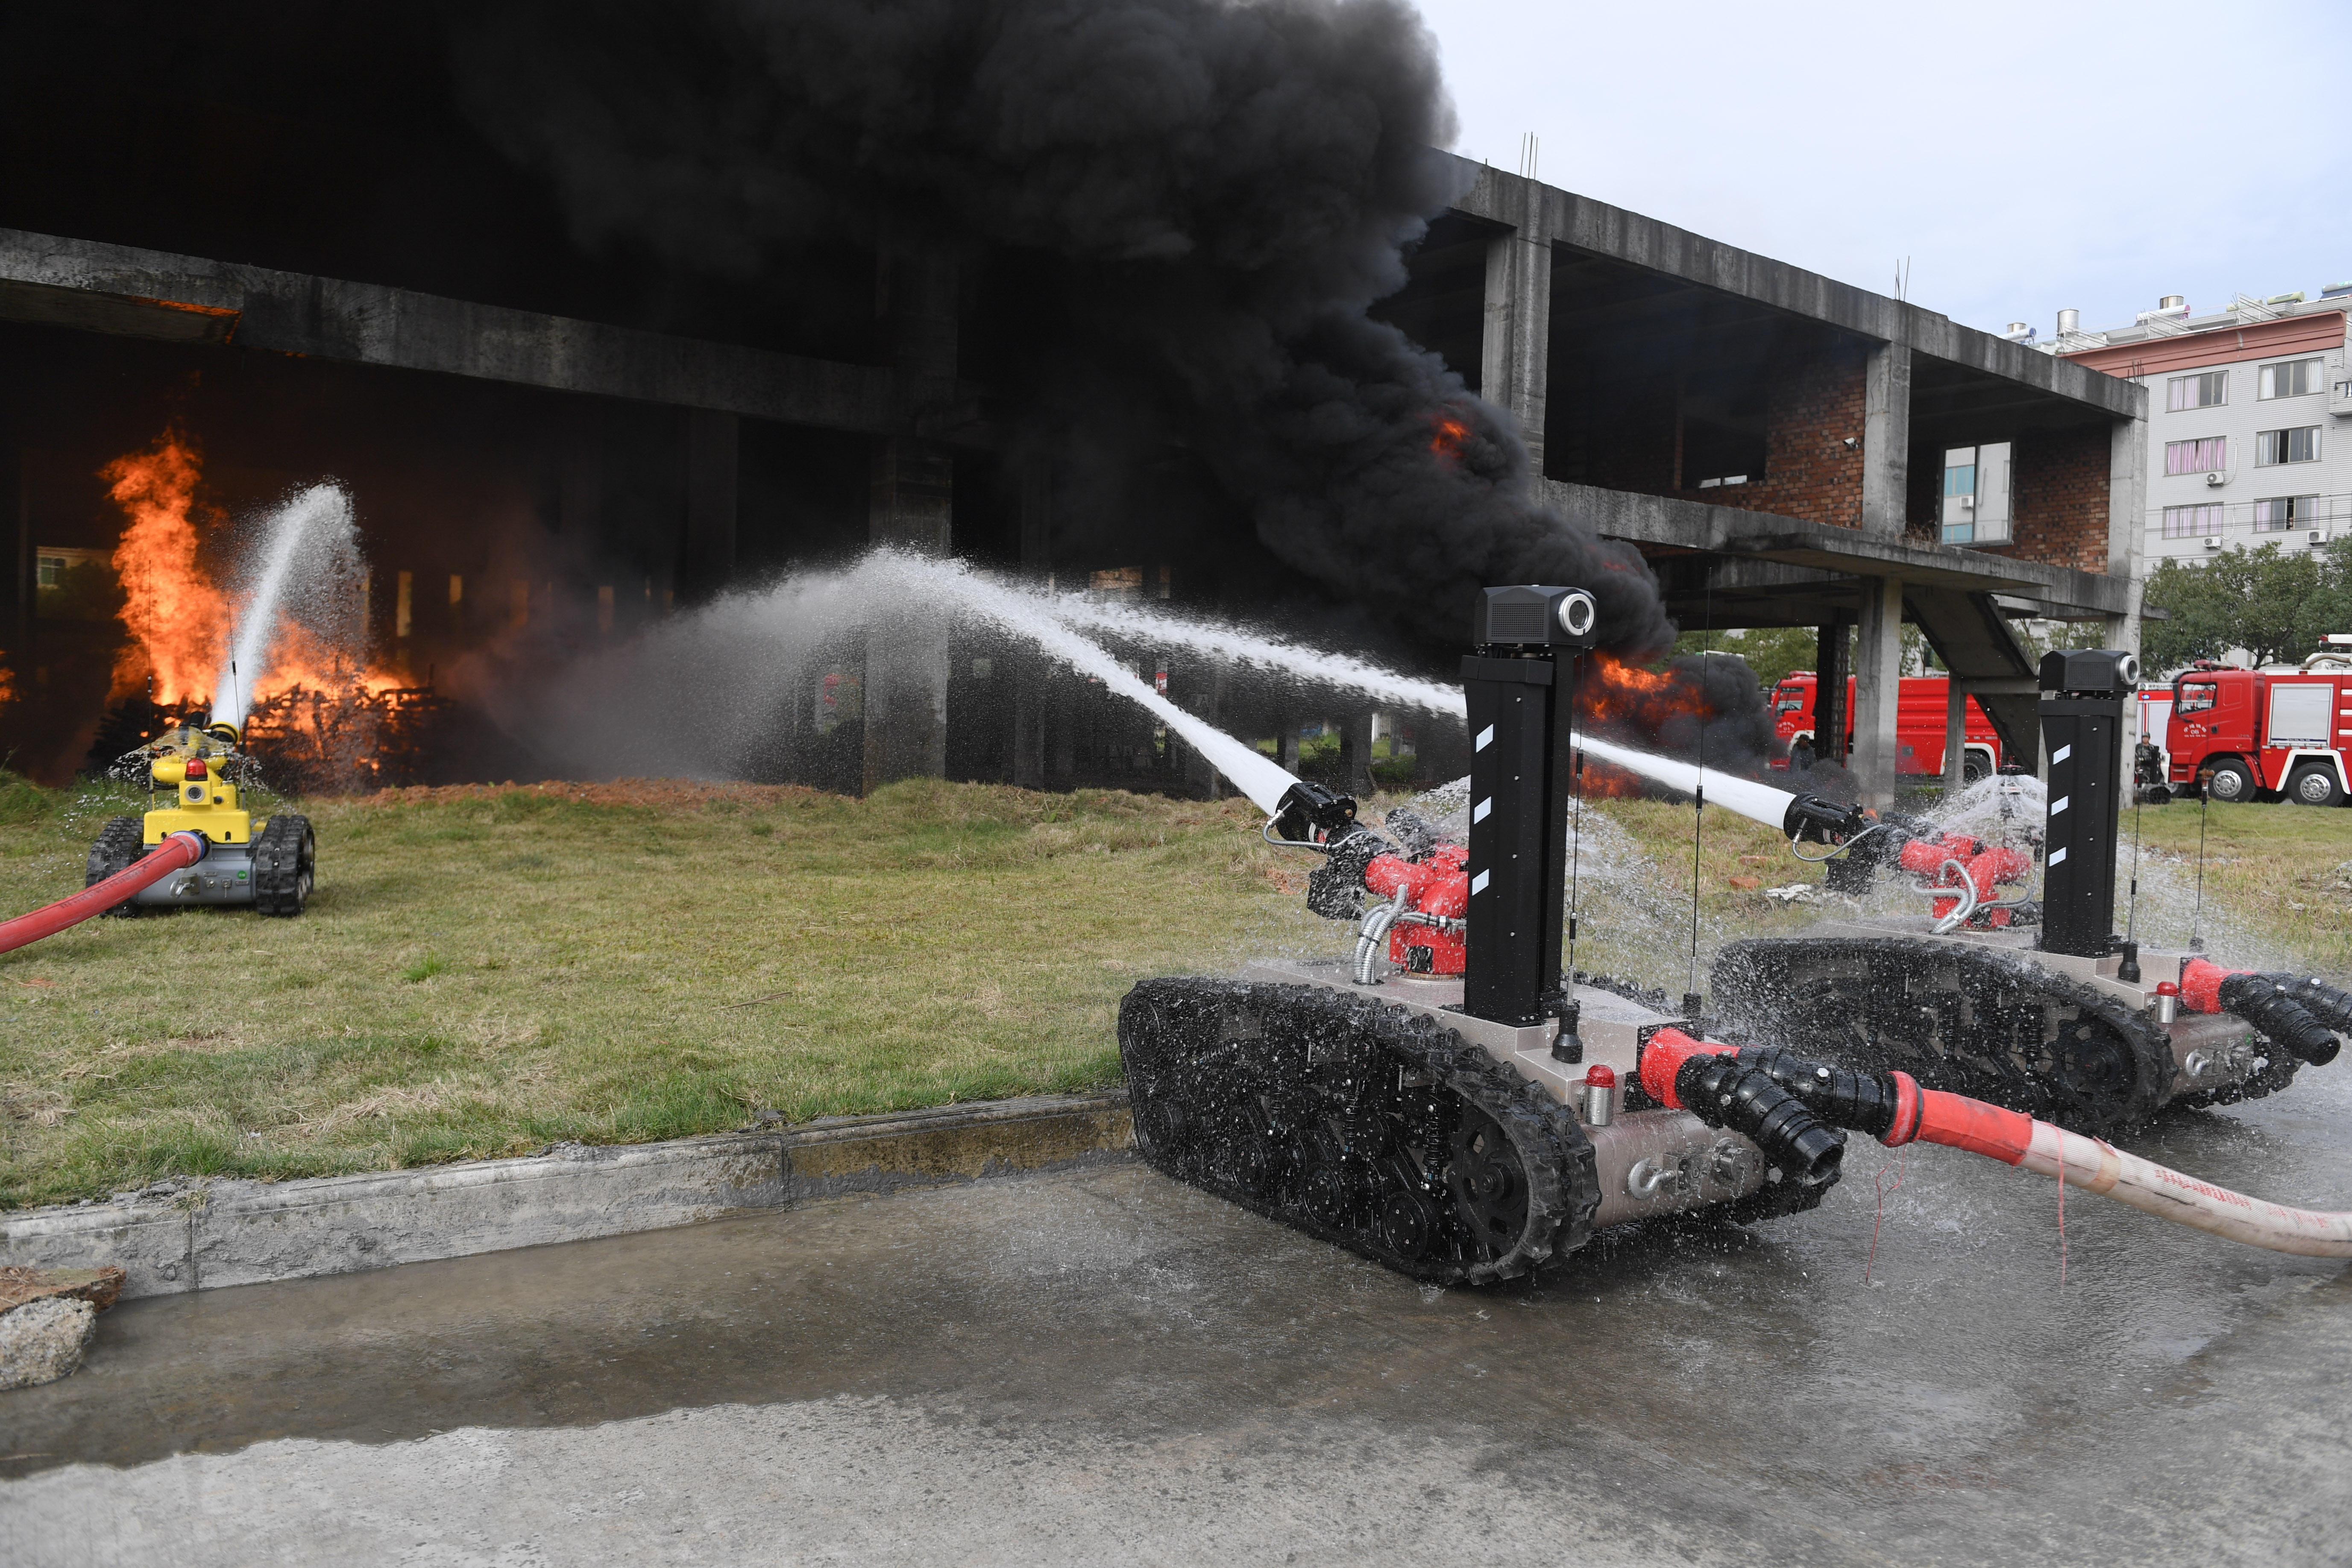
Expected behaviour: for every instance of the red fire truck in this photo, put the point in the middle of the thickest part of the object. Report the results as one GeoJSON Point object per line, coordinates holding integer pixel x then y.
{"type": "Point", "coordinates": [2251, 734]}
{"type": "Point", "coordinates": [1918, 726]}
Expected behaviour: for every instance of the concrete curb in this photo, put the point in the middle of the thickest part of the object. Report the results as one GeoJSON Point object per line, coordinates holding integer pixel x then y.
{"type": "Point", "coordinates": [198, 1235]}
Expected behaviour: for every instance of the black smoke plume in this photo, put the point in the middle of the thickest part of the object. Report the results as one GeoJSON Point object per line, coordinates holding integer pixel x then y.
{"type": "Point", "coordinates": [1208, 196]}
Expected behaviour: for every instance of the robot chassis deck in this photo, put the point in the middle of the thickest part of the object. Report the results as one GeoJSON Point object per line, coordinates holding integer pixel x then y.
{"type": "Point", "coordinates": [1466, 1127]}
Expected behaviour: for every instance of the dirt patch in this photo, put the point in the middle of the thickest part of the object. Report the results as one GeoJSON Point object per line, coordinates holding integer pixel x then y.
{"type": "Point", "coordinates": [662, 792]}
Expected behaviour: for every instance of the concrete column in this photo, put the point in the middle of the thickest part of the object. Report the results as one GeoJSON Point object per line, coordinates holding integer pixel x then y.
{"type": "Point", "coordinates": [1886, 438]}
{"type": "Point", "coordinates": [1877, 687]}
{"type": "Point", "coordinates": [1029, 687]}
{"type": "Point", "coordinates": [1955, 721]}
{"type": "Point", "coordinates": [1208, 692]}
{"type": "Point", "coordinates": [1356, 753]}
{"type": "Point", "coordinates": [2127, 522]}
{"type": "Point", "coordinates": [1285, 748]}
{"type": "Point", "coordinates": [1831, 721]}
{"type": "Point", "coordinates": [1516, 344]}
{"type": "Point", "coordinates": [912, 506]}
{"type": "Point", "coordinates": [711, 442]}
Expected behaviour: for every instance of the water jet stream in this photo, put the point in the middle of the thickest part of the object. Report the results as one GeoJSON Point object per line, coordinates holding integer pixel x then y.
{"type": "Point", "coordinates": [1250, 770]}
{"type": "Point", "coordinates": [1272, 654]}
{"type": "Point", "coordinates": [1758, 802]}
{"type": "Point", "coordinates": [294, 527]}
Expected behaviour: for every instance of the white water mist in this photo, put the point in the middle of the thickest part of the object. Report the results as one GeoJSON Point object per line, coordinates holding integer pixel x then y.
{"type": "Point", "coordinates": [303, 570]}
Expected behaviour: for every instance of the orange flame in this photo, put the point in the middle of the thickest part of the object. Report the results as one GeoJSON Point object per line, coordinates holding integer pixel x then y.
{"type": "Point", "coordinates": [178, 621]}
{"type": "Point", "coordinates": [1614, 695]}
{"type": "Point", "coordinates": [1451, 434]}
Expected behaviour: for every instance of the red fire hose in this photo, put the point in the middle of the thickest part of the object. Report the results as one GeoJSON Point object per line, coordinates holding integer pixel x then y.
{"type": "Point", "coordinates": [178, 850]}
{"type": "Point", "coordinates": [1896, 1110]}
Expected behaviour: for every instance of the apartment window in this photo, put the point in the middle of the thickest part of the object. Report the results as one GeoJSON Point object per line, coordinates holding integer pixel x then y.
{"type": "Point", "coordinates": [2207, 390]}
{"type": "Point", "coordinates": [2201, 521]}
{"type": "Point", "coordinates": [74, 584]}
{"type": "Point", "coordinates": [2277, 513]}
{"type": "Point", "coordinates": [2294, 378]}
{"type": "Point", "coordinates": [2300, 445]}
{"type": "Point", "coordinates": [1976, 494]}
{"type": "Point", "coordinates": [2202, 456]}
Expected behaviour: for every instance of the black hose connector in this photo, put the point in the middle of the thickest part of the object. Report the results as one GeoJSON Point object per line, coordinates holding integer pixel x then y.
{"type": "Point", "coordinates": [1857, 1101]}
{"type": "Point", "coordinates": [2265, 1003]}
{"type": "Point", "coordinates": [2322, 1000]}
{"type": "Point", "coordinates": [1818, 821]}
{"type": "Point", "coordinates": [1308, 813]}
{"type": "Point", "coordinates": [1723, 1091]}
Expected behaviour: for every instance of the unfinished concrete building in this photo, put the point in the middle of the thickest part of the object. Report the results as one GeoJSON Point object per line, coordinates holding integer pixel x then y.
{"type": "Point", "coordinates": [1776, 443]}
{"type": "Point", "coordinates": [551, 448]}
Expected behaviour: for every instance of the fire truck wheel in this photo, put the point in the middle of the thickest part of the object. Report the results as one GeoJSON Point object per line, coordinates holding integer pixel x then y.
{"type": "Point", "coordinates": [2315, 787]}
{"type": "Point", "coordinates": [1974, 765]}
{"type": "Point", "coordinates": [2230, 781]}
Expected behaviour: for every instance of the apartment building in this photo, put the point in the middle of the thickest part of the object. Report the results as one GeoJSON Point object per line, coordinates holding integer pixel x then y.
{"type": "Point", "coordinates": [2250, 421]}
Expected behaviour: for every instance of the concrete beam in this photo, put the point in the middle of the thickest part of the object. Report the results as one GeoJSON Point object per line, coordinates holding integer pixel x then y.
{"type": "Point", "coordinates": [1848, 552]}
{"type": "Point", "coordinates": [1877, 686]}
{"type": "Point", "coordinates": [121, 289]}
{"type": "Point", "coordinates": [1886, 439]}
{"type": "Point", "coordinates": [1545, 213]}
{"type": "Point", "coordinates": [1516, 344]}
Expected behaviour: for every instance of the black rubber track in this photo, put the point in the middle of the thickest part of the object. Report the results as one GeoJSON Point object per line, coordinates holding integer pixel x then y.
{"type": "Point", "coordinates": [120, 843]}
{"type": "Point", "coordinates": [284, 861]}
{"type": "Point", "coordinates": [1357, 1123]}
{"type": "Point", "coordinates": [1969, 1020]}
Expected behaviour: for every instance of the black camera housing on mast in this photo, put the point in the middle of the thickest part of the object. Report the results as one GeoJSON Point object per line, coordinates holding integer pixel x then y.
{"type": "Point", "coordinates": [1519, 689]}
{"type": "Point", "coordinates": [1534, 618]}
{"type": "Point", "coordinates": [2085, 693]}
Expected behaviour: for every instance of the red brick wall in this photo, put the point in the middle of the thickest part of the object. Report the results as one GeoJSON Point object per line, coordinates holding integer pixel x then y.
{"type": "Point", "coordinates": [2058, 498]}
{"type": "Point", "coordinates": [1815, 401]}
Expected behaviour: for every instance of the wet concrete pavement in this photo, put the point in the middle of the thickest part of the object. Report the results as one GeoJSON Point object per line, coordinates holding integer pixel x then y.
{"type": "Point", "coordinates": [1103, 1366]}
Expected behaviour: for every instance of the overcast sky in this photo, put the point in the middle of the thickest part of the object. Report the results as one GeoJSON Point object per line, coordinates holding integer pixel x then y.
{"type": "Point", "coordinates": [2026, 157]}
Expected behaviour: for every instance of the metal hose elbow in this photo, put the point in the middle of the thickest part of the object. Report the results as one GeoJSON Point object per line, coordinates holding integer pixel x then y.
{"type": "Point", "coordinates": [1867, 1103]}
{"type": "Point", "coordinates": [1723, 1091]}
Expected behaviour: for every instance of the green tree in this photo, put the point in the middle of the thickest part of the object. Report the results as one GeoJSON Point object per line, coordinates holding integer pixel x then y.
{"type": "Point", "coordinates": [2274, 604]}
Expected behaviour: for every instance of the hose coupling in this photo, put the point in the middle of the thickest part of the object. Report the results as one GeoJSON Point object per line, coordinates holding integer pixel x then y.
{"type": "Point", "coordinates": [2260, 999]}
{"type": "Point", "coordinates": [1726, 1091]}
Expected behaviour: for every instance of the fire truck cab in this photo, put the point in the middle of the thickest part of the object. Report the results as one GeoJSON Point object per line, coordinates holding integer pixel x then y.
{"type": "Point", "coordinates": [1919, 717]}
{"type": "Point", "coordinates": [2250, 734]}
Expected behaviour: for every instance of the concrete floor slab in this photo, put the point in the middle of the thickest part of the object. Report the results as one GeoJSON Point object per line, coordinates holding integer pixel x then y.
{"type": "Point", "coordinates": [1100, 1365]}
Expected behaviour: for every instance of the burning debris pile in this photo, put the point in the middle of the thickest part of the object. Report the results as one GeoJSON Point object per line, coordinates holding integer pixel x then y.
{"type": "Point", "coordinates": [278, 651]}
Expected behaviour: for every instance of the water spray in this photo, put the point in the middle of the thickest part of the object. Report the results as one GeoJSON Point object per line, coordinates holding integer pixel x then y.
{"type": "Point", "coordinates": [310, 524]}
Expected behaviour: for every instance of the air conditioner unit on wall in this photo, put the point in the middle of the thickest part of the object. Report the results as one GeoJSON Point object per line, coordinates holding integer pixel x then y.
{"type": "Point", "coordinates": [2216, 478]}
{"type": "Point", "coordinates": [2212, 542]}
{"type": "Point", "coordinates": [2319, 536]}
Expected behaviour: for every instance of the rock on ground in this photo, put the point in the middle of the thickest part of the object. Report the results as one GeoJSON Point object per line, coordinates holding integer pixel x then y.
{"type": "Point", "coordinates": [45, 1340]}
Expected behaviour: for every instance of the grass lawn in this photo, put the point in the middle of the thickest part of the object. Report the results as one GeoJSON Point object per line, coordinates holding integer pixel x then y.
{"type": "Point", "coordinates": [484, 971]}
